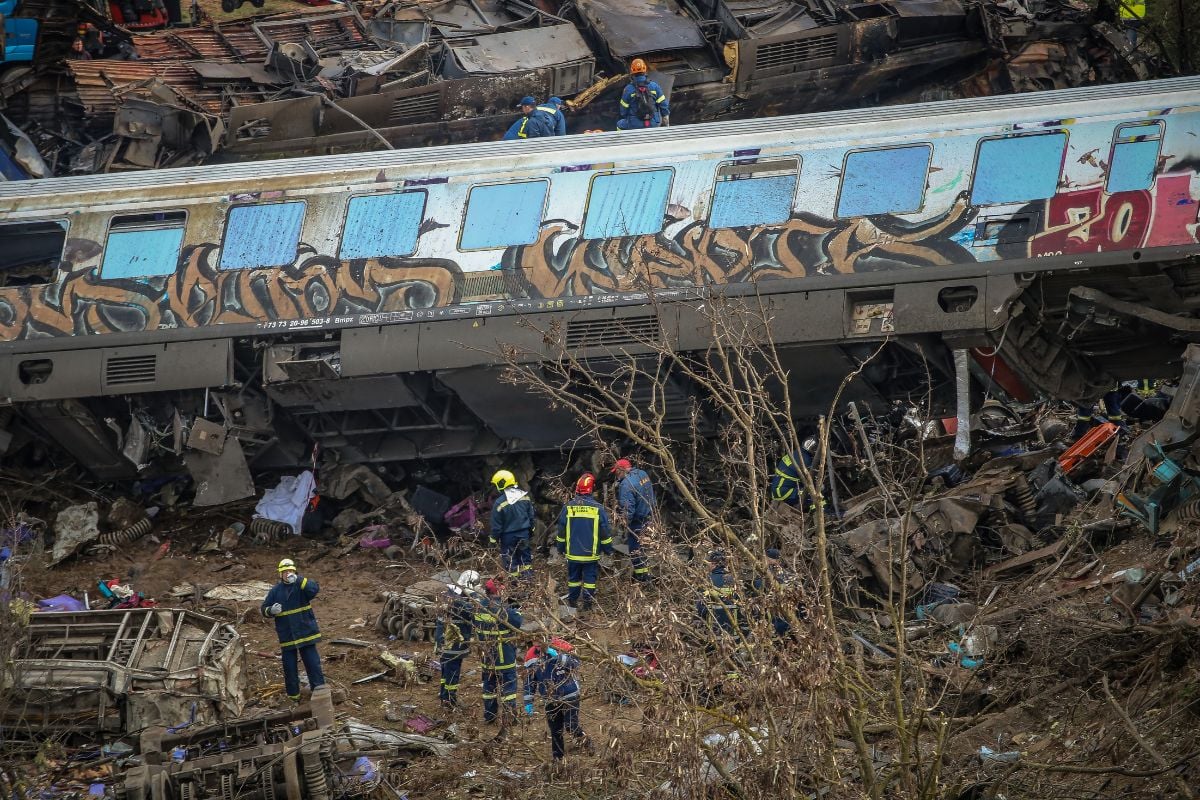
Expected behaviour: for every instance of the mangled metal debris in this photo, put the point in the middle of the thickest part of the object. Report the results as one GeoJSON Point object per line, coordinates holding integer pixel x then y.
{"type": "Point", "coordinates": [123, 670]}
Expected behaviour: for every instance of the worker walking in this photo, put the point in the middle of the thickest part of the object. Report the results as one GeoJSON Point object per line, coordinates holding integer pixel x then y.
{"type": "Point", "coordinates": [289, 603]}
{"type": "Point", "coordinates": [643, 103]}
{"type": "Point", "coordinates": [532, 124]}
{"type": "Point", "coordinates": [584, 533]}
{"type": "Point", "coordinates": [553, 109]}
{"type": "Point", "coordinates": [636, 503]}
{"type": "Point", "coordinates": [495, 626]}
{"type": "Point", "coordinates": [512, 525]}
{"type": "Point", "coordinates": [452, 635]}
{"type": "Point", "coordinates": [553, 672]}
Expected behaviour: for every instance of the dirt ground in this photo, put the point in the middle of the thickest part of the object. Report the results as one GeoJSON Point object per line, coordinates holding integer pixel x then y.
{"type": "Point", "coordinates": [351, 598]}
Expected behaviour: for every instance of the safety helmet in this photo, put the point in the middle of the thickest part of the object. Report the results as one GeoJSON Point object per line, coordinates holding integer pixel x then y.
{"type": "Point", "coordinates": [503, 479]}
{"type": "Point", "coordinates": [561, 645]}
{"type": "Point", "coordinates": [493, 587]}
{"type": "Point", "coordinates": [638, 67]}
{"type": "Point", "coordinates": [622, 464]}
{"type": "Point", "coordinates": [286, 564]}
{"type": "Point", "coordinates": [469, 580]}
{"type": "Point", "coordinates": [586, 483]}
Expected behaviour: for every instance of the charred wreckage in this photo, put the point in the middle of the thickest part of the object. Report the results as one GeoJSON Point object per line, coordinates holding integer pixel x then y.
{"type": "Point", "coordinates": [393, 74]}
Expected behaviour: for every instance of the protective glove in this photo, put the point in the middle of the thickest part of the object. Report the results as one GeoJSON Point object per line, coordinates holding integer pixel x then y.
{"type": "Point", "coordinates": [529, 709]}
{"type": "Point", "coordinates": [275, 609]}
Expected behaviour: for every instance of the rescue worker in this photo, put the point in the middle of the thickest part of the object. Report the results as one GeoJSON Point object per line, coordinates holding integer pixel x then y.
{"type": "Point", "coordinates": [584, 533]}
{"type": "Point", "coordinates": [553, 109]}
{"type": "Point", "coordinates": [1085, 414]}
{"type": "Point", "coordinates": [554, 674]}
{"type": "Point", "coordinates": [643, 103]}
{"type": "Point", "coordinates": [289, 603]}
{"type": "Point", "coordinates": [512, 524]}
{"type": "Point", "coordinates": [495, 625]}
{"type": "Point", "coordinates": [718, 606]}
{"type": "Point", "coordinates": [1132, 14]}
{"type": "Point", "coordinates": [452, 635]}
{"type": "Point", "coordinates": [532, 124]}
{"type": "Point", "coordinates": [636, 504]}
{"type": "Point", "coordinates": [786, 484]}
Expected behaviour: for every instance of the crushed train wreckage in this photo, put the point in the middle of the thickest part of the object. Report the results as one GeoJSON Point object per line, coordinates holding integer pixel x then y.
{"type": "Point", "coordinates": [404, 74]}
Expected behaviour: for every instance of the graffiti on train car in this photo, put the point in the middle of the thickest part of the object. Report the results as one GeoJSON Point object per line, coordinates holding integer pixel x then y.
{"type": "Point", "coordinates": [199, 294]}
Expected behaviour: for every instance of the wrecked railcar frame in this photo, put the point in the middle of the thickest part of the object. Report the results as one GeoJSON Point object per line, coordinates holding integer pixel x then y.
{"type": "Point", "coordinates": [362, 303]}
{"type": "Point", "coordinates": [111, 671]}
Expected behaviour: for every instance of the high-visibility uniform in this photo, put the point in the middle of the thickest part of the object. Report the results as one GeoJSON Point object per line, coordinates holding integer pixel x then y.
{"type": "Point", "coordinates": [555, 678]}
{"type": "Point", "coordinates": [786, 483]}
{"type": "Point", "coordinates": [296, 627]}
{"type": "Point", "coordinates": [495, 625]}
{"type": "Point", "coordinates": [512, 525]}
{"type": "Point", "coordinates": [632, 115]}
{"type": "Point", "coordinates": [557, 118]}
{"type": "Point", "coordinates": [452, 635]}
{"type": "Point", "coordinates": [533, 125]}
{"type": "Point", "coordinates": [584, 532]}
{"type": "Point", "coordinates": [1132, 9]}
{"type": "Point", "coordinates": [719, 607]}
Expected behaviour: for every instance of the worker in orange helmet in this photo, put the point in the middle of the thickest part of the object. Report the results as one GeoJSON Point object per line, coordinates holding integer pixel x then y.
{"type": "Point", "coordinates": [643, 103]}
{"type": "Point", "coordinates": [584, 532]}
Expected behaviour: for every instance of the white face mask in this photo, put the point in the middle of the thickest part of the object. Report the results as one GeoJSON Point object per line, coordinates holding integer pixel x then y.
{"type": "Point", "coordinates": [289, 578]}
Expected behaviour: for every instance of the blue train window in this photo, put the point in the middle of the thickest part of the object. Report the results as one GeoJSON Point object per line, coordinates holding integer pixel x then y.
{"type": "Point", "coordinates": [503, 214]}
{"type": "Point", "coordinates": [143, 245]}
{"type": "Point", "coordinates": [887, 181]}
{"type": "Point", "coordinates": [380, 225]}
{"type": "Point", "coordinates": [262, 235]}
{"type": "Point", "coordinates": [1134, 157]}
{"type": "Point", "coordinates": [754, 194]}
{"type": "Point", "coordinates": [627, 204]}
{"type": "Point", "coordinates": [1018, 169]}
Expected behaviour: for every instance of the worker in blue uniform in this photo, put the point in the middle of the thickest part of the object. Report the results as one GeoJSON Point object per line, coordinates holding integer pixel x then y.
{"type": "Point", "coordinates": [533, 122]}
{"type": "Point", "coordinates": [636, 503]}
{"type": "Point", "coordinates": [496, 623]}
{"type": "Point", "coordinates": [718, 606]}
{"type": "Point", "coordinates": [1085, 418]}
{"type": "Point", "coordinates": [584, 533]}
{"type": "Point", "coordinates": [643, 103]}
{"type": "Point", "coordinates": [289, 603]}
{"type": "Point", "coordinates": [553, 109]}
{"type": "Point", "coordinates": [786, 483]}
{"type": "Point", "coordinates": [553, 672]}
{"type": "Point", "coordinates": [452, 634]}
{"type": "Point", "coordinates": [512, 525]}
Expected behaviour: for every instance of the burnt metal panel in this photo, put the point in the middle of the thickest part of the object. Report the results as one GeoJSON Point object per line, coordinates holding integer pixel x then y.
{"type": "Point", "coordinates": [942, 306]}
{"type": "Point", "coordinates": [638, 27]}
{"type": "Point", "coordinates": [296, 118]}
{"type": "Point", "coordinates": [510, 51]}
{"type": "Point", "coordinates": [772, 56]}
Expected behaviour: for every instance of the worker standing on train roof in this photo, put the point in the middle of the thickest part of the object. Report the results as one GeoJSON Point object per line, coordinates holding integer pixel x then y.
{"type": "Point", "coordinates": [643, 103]}
{"type": "Point", "coordinates": [553, 109]}
{"type": "Point", "coordinates": [289, 603]}
{"type": "Point", "coordinates": [532, 124]}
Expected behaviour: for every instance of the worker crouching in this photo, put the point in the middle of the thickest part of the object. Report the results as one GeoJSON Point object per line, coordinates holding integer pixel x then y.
{"type": "Point", "coordinates": [289, 603]}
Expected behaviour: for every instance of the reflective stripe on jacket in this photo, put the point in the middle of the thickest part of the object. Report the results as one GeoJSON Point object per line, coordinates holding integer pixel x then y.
{"type": "Point", "coordinates": [584, 531]}
{"type": "Point", "coordinates": [494, 626]}
{"type": "Point", "coordinates": [296, 625]}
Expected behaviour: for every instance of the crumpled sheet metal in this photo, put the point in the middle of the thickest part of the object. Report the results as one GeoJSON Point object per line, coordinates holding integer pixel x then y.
{"type": "Point", "coordinates": [74, 527]}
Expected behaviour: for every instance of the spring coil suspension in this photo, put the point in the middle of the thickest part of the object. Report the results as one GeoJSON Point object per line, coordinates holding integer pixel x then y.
{"type": "Point", "coordinates": [1023, 496]}
{"type": "Point", "coordinates": [314, 772]}
{"type": "Point", "coordinates": [1188, 511]}
{"type": "Point", "coordinates": [126, 535]}
{"type": "Point", "coordinates": [268, 529]}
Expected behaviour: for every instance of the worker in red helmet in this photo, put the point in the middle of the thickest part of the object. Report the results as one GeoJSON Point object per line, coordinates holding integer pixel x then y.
{"type": "Point", "coordinates": [635, 506]}
{"type": "Point", "coordinates": [496, 625]}
{"type": "Point", "coordinates": [584, 532]}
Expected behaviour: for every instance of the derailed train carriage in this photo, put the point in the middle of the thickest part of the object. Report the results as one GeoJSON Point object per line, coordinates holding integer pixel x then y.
{"type": "Point", "coordinates": [244, 313]}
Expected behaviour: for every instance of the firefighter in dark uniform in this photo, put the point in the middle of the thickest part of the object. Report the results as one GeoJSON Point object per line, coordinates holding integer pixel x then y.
{"type": "Point", "coordinates": [289, 603]}
{"type": "Point", "coordinates": [553, 673]}
{"type": "Point", "coordinates": [533, 122]}
{"type": "Point", "coordinates": [584, 533]}
{"type": "Point", "coordinates": [495, 626]}
{"type": "Point", "coordinates": [643, 103]}
{"type": "Point", "coordinates": [718, 607]}
{"type": "Point", "coordinates": [786, 484]}
{"type": "Point", "coordinates": [452, 635]}
{"type": "Point", "coordinates": [512, 523]}
{"type": "Point", "coordinates": [635, 499]}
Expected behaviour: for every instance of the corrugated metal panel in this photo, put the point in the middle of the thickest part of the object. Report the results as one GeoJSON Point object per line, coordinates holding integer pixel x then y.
{"type": "Point", "coordinates": [94, 78]}
{"type": "Point", "coordinates": [238, 41]}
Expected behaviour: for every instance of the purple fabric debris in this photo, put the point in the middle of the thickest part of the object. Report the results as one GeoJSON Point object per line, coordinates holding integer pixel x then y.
{"type": "Point", "coordinates": [64, 602]}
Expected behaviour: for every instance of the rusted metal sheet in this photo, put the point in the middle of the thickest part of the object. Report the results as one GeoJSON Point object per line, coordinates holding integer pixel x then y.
{"type": "Point", "coordinates": [95, 82]}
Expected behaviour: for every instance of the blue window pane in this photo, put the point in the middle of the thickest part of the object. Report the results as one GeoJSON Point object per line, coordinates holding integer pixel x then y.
{"type": "Point", "coordinates": [752, 201]}
{"type": "Point", "coordinates": [382, 225]}
{"type": "Point", "coordinates": [141, 254]}
{"type": "Point", "coordinates": [1132, 166]}
{"type": "Point", "coordinates": [890, 181]}
{"type": "Point", "coordinates": [628, 204]}
{"type": "Point", "coordinates": [1018, 169]}
{"type": "Point", "coordinates": [503, 215]}
{"type": "Point", "coordinates": [262, 236]}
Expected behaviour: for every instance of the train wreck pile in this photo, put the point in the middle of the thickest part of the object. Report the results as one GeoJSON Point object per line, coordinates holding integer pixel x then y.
{"type": "Point", "coordinates": [360, 77]}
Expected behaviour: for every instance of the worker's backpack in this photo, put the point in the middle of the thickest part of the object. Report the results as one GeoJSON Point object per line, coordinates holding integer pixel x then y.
{"type": "Point", "coordinates": [645, 103]}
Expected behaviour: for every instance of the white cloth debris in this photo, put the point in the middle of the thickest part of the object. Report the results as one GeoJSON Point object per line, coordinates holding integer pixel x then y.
{"type": "Point", "coordinates": [512, 494]}
{"type": "Point", "coordinates": [287, 501]}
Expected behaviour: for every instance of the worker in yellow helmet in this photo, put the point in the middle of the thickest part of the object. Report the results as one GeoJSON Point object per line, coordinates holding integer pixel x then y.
{"type": "Point", "coordinates": [289, 603]}
{"type": "Point", "coordinates": [512, 525]}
